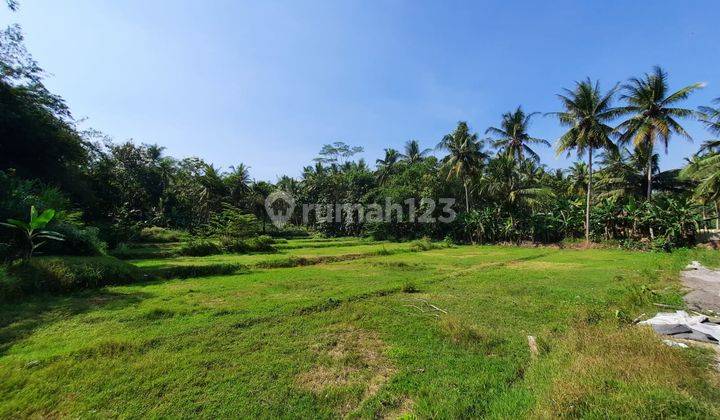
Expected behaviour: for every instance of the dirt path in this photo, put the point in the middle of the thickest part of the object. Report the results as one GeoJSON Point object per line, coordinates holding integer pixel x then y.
{"type": "Point", "coordinates": [704, 285]}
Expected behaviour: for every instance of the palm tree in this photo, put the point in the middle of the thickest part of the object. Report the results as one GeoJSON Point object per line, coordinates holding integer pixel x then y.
{"type": "Point", "coordinates": [587, 112]}
{"type": "Point", "coordinates": [413, 153]}
{"type": "Point", "coordinates": [704, 168]}
{"type": "Point", "coordinates": [578, 178]}
{"type": "Point", "coordinates": [512, 137]}
{"type": "Point", "coordinates": [653, 116]}
{"type": "Point", "coordinates": [238, 181]}
{"type": "Point", "coordinates": [386, 166]}
{"type": "Point", "coordinates": [711, 117]}
{"type": "Point", "coordinates": [465, 157]}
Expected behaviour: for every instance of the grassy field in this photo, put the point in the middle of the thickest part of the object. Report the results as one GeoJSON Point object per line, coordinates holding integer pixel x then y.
{"type": "Point", "coordinates": [439, 333]}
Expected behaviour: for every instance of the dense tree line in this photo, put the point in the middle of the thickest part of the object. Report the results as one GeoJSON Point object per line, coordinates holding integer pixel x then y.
{"type": "Point", "coordinates": [107, 190]}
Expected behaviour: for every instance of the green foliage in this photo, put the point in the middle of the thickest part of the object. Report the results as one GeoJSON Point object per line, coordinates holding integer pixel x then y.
{"type": "Point", "coordinates": [193, 271]}
{"type": "Point", "coordinates": [64, 274]}
{"type": "Point", "coordinates": [34, 229]}
{"type": "Point", "coordinates": [78, 240]}
{"type": "Point", "coordinates": [200, 248]}
{"type": "Point", "coordinates": [156, 234]}
{"type": "Point", "coordinates": [424, 244]}
{"type": "Point", "coordinates": [262, 243]}
{"type": "Point", "coordinates": [233, 222]}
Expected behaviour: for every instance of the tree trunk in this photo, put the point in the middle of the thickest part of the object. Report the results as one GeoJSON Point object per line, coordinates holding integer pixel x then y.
{"type": "Point", "coordinates": [589, 198]}
{"type": "Point", "coordinates": [649, 145]}
{"type": "Point", "coordinates": [649, 176]}
{"type": "Point", "coordinates": [467, 199]}
{"type": "Point", "coordinates": [717, 214]}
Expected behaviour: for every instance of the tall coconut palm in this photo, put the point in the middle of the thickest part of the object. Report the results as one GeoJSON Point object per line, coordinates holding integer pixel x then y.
{"type": "Point", "coordinates": [386, 166]}
{"type": "Point", "coordinates": [465, 156]}
{"type": "Point", "coordinates": [413, 152]}
{"type": "Point", "coordinates": [587, 113]}
{"type": "Point", "coordinates": [512, 137]}
{"type": "Point", "coordinates": [704, 168]}
{"type": "Point", "coordinates": [653, 114]}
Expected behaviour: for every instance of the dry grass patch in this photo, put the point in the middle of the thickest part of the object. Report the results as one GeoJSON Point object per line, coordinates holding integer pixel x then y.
{"type": "Point", "coordinates": [348, 357]}
{"type": "Point", "coordinates": [604, 371]}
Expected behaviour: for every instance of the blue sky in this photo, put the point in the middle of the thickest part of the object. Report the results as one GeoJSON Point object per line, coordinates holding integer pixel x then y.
{"type": "Point", "coordinates": [267, 83]}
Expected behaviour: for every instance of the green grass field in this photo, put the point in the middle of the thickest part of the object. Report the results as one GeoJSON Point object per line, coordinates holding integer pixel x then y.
{"type": "Point", "coordinates": [439, 333]}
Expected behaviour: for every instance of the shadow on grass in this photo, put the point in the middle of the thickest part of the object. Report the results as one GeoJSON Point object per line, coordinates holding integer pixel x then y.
{"type": "Point", "coordinates": [19, 320]}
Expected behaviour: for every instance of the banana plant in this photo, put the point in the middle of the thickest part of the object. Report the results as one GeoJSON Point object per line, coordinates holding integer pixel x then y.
{"type": "Point", "coordinates": [34, 230]}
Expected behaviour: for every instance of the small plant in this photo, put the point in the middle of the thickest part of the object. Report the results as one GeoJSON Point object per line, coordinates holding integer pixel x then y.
{"type": "Point", "coordinates": [410, 287]}
{"type": "Point", "coordinates": [424, 244]}
{"type": "Point", "coordinates": [34, 229]}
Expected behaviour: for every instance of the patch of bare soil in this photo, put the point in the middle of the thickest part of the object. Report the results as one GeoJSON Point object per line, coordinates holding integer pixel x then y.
{"type": "Point", "coordinates": [348, 357]}
{"type": "Point", "coordinates": [704, 286]}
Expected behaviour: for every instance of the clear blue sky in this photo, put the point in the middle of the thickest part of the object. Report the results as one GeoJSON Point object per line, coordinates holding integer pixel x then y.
{"type": "Point", "coordinates": [267, 83]}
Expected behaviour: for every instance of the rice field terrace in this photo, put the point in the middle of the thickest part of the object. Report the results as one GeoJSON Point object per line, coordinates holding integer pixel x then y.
{"type": "Point", "coordinates": [349, 327]}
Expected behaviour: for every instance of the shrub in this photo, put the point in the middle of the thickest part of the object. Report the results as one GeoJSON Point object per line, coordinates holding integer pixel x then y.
{"type": "Point", "coordinates": [289, 231]}
{"type": "Point", "coordinates": [63, 274]}
{"type": "Point", "coordinates": [409, 287]}
{"type": "Point", "coordinates": [190, 271]}
{"type": "Point", "coordinates": [263, 243]}
{"type": "Point", "coordinates": [79, 240]}
{"type": "Point", "coordinates": [200, 248]}
{"type": "Point", "coordinates": [424, 244]}
{"type": "Point", "coordinates": [231, 221]}
{"type": "Point", "coordinates": [157, 234]}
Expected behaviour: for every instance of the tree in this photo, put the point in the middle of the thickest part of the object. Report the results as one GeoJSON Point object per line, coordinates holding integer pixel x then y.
{"type": "Point", "coordinates": [711, 117]}
{"type": "Point", "coordinates": [413, 152]}
{"type": "Point", "coordinates": [587, 113]}
{"type": "Point", "coordinates": [578, 178]}
{"type": "Point", "coordinates": [338, 152]}
{"type": "Point", "coordinates": [512, 137]}
{"type": "Point", "coordinates": [704, 168]}
{"type": "Point", "coordinates": [386, 166]}
{"type": "Point", "coordinates": [653, 114]}
{"type": "Point", "coordinates": [465, 156]}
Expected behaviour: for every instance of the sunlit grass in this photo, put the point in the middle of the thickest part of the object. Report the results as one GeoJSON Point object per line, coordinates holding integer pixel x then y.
{"type": "Point", "coordinates": [350, 338]}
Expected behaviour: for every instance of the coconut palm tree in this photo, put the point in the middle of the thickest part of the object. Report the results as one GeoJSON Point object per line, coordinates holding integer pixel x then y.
{"type": "Point", "coordinates": [587, 113]}
{"type": "Point", "coordinates": [578, 178]}
{"type": "Point", "coordinates": [653, 114]}
{"type": "Point", "coordinates": [465, 156]}
{"type": "Point", "coordinates": [512, 137]}
{"type": "Point", "coordinates": [413, 153]}
{"type": "Point", "coordinates": [386, 166]}
{"type": "Point", "coordinates": [704, 167]}
{"type": "Point", "coordinates": [711, 117]}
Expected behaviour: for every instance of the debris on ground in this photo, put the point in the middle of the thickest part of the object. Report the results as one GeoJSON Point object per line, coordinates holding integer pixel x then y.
{"type": "Point", "coordinates": [672, 343]}
{"type": "Point", "coordinates": [680, 324]}
{"type": "Point", "coordinates": [532, 343]}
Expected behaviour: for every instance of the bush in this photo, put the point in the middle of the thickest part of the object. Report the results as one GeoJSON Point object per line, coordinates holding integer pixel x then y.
{"type": "Point", "coordinates": [200, 248]}
{"type": "Point", "coordinates": [157, 234]}
{"type": "Point", "coordinates": [262, 243]}
{"type": "Point", "coordinates": [424, 244]}
{"type": "Point", "coordinates": [231, 221]}
{"type": "Point", "coordinates": [63, 274]}
{"type": "Point", "coordinates": [190, 271]}
{"type": "Point", "coordinates": [289, 231]}
{"type": "Point", "coordinates": [409, 287]}
{"type": "Point", "coordinates": [81, 241]}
